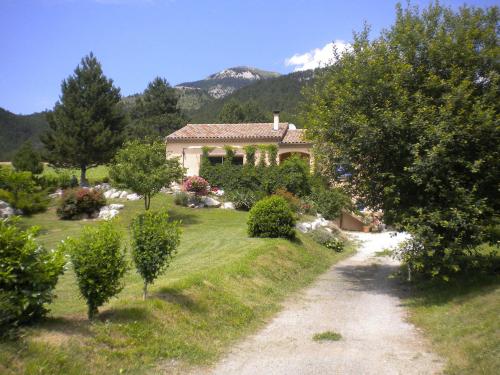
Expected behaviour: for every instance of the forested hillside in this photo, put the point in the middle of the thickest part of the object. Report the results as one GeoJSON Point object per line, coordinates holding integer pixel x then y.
{"type": "Point", "coordinates": [16, 129]}
{"type": "Point", "coordinates": [282, 93]}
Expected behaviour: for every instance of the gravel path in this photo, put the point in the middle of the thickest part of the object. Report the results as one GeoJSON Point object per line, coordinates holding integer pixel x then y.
{"type": "Point", "coordinates": [355, 298]}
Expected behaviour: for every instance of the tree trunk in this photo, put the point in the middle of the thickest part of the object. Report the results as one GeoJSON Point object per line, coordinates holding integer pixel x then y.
{"type": "Point", "coordinates": [83, 176]}
{"type": "Point", "coordinates": [92, 312]}
{"type": "Point", "coordinates": [145, 291]}
{"type": "Point", "coordinates": [147, 201]}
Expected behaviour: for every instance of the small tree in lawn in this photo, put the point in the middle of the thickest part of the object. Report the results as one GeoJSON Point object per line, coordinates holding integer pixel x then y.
{"type": "Point", "coordinates": [154, 242]}
{"type": "Point", "coordinates": [98, 259]}
{"type": "Point", "coordinates": [27, 159]}
{"type": "Point", "coordinates": [143, 168]}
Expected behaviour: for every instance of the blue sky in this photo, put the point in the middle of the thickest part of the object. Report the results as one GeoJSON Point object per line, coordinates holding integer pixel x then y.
{"type": "Point", "coordinates": [42, 41]}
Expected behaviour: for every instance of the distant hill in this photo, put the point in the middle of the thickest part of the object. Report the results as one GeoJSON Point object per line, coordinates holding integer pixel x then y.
{"type": "Point", "coordinates": [282, 93]}
{"type": "Point", "coordinates": [16, 129]}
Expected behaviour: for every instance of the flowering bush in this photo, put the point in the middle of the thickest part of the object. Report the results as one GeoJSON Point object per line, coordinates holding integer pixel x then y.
{"type": "Point", "coordinates": [197, 185]}
{"type": "Point", "coordinates": [75, 202]}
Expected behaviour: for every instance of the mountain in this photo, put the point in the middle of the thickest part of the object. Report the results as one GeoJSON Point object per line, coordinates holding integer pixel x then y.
{"type": "Point", "coordinates": [283, 93]}
{"type": "Point", "coordinates": [229, 80]}
{"type": "Point", "coordinates": [16, 129]}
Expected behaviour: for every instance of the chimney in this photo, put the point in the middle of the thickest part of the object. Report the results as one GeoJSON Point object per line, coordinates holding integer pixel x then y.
{"type": "Point", "coordinates": [276, 120]}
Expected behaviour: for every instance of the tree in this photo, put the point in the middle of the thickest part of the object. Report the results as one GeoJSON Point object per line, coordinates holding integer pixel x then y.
{"type": "Point", "coordinates": [156, 113]}
{"type": "Point", "coordinates": [154, 242]}
{"type": "Point", "coordinates": [143, 168]}
{"type": "Point", "coordinates": [87, 122]}
{"type": "Point", "coordinates": [27, 159]}
{"type": "Point", "coordinates": [235, 112]}
{"type": "Point", "coordinates": [99, 263]}
{"type": "Point", "coordinates": [415, 113]}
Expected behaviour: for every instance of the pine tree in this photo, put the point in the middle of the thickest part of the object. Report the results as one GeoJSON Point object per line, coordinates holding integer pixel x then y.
{"type": "Point", "coordinates": [27, 159]}
{"type": "Point", "coordinates": [86, 125]}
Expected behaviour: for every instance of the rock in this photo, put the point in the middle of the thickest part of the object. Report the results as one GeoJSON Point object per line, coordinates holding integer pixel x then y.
{"type": "Point", "coordinates": [211, 202]}
{"type": "Point", "coordinates": [304, 227]}
{"type": "Point", "coordinates": [123, 195]}
{"type": "Point", "coordinates": [116, 206]}
{"type": "Point", "coordinates": [115, 195]}
{"type": "Point", "coordinates": [106, 213]}
{"type": "Point", "coordinates": [133, 197]}
{"type": "Point", "coordinates": [57, 194]}
{"type": "Point", "coordinates": [104, 186]}
{"type": "Point", "coordinates": [94, 215]}
{"type": "Point", "coordinates": [228, 206]}
{"type": "Point", "coordinates": [219, 193]}
{"type": "Point", "coordinates": [4, 204]}
{"type": "Point", "coordinates": [175, 187]}
{"type": "Point", "coordinates": [6, 210]}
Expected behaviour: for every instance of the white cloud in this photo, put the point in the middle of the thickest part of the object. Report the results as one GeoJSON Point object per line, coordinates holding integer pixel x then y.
{"type": "Point", "coordinates": [318, 57]}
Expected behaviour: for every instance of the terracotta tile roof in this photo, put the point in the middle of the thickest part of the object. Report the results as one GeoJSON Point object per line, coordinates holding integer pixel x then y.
{"type": "Point", "coordinates": [295, 136]}
{"type": "Point", "coordinates": [215, 132]}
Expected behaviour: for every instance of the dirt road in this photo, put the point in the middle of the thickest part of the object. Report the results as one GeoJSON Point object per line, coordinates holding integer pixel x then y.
{"type": "Point", "coordinates": [355, 298]}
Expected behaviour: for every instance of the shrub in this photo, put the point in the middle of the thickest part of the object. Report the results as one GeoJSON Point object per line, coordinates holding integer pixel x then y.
{"type": "Point", "coordinates": [181, 198]}
{"type": "Point", "coordinates": [271, 217]}
{"type": "Point", "coordinates": [99, 263]}
{"type": "Point", "coordinates": [197, 185]}
{"type": "Point", "coordinates": [28, 275]}
{"type": "Point", "coordinates": [294, 176]}
{"type": "Point", "coordinates": [243, 199]}
{"type": "Point", "coordinates": [294, 201]}
{"type": "Point", "coordinates": [21, 191]}
{"type": "Point", "coordinates": [250, 151]}
{"type": "Point", "coordinates": [76, 202]}
{"type": "Point", "coordinates": [330, 202]}
{"type": "Point", "coordinates": [154, 242]}
{"type": "Point", "coordinates": [327, 239]}
{"type": "Point", "coordinates": [27, 159]}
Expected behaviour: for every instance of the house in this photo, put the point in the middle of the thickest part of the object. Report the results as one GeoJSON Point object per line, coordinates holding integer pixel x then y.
{"type": "Point", "coordinates": [187, 142]}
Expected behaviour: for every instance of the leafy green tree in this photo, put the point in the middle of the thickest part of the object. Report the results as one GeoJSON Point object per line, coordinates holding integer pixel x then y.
{"type": "Point", "coordinates": [87, 123]}
{"type": "Point", "coordinates": [21, 190]}
{"type": "Point", "coordinates": [154, 242]}
{"type": "Point", "coordinates": [98, 259]}
{"type": "Point", "coordinates": [156, 113]}
{"type": "Point", "coordinates": [294, 176]}
{"type": "Point", "coordinates": [250, 151]}
{"type": "Point", "coordinates": [27, 159]}
{"type": "Point", "coordinates": [28, 275]}
{"type": "Point", "coordinates": [143, 168]}
{"type": "Point", "coordinates": [415, 113]}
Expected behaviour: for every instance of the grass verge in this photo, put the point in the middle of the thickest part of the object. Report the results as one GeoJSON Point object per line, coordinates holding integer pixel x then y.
{"type": "Point", "coordinates": [221, 286]}
{"type": "Point", "coordinates": [327, 336]}
{"type": "Point", "coordinates": [461, 320]}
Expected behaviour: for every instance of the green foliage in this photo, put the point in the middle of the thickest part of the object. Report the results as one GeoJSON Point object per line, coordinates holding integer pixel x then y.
{"type": "Point", "coordinates": [327, 239]}
{"type": "Point", "coordinates": [87, 123]}
{"type": "Point", "coordinates": [156, 113]}
{"type": "Point", "coordinates": [415, 114]}
{"type": "Point", "coordinates": [327, 336]}
{"type": "Point", "coordinates": [154, 242]}
{"type": "Point", "coordinates": [22, 191]}
{"type": "Point", "coordinates": [197, 185]}
{"type": "Point", "coordinates": [142, 168]}
{"type": "Point", "coordinates": [27, 159]}
{"type": "Point", "coordinates": [330, 202]}
{"type": "Point", "coordinates": [292, 199]}
{"type": "Point", "coordinates": [233, 112]}
{"type": "Point", "coordinates": [272, 152]}
{"type": "Point", "coordinates": [99, 263]}
{"type": "Point", "coordinates": [244, 199]}
{"type": "Point", "coordinates": [28, 275]}
{"type": "Point", "coordinates": [271, 217]}
{"type": "Point", "coordinates": [250, 151]}
{"type": "Point", "coordinates": [262, 163]}
{"type": "Point", "coordinates": [77, 202]}
{"type": "Point", "coordinates": [181, 198]}
{"type": "Point", "coordinates": [294, 176]}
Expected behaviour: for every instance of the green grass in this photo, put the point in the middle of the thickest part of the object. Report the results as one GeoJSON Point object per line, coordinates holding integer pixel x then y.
{"type": "Point", "coordinates": [96, 174]}
{"type": "Point", "coordinates": [221, 286]}
{"type": "Point", "coordinates": [461, 318]}
{"type": "Point", "coordinates": [327, 336]}
{"type": "Point", "coordinates": [384, 253]}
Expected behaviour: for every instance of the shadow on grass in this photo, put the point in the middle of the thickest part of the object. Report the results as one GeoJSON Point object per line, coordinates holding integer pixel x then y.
{"type": "Point", "coordinates": [185, 217]}
{"type": "Point", "coordinates": [124, 314]}
{"type": "Point", "coordinates": [67, 326]}
{"type": "Point", "coordinates": [172, 295]}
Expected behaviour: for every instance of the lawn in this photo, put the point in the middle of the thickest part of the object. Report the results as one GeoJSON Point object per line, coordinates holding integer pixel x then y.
{"type": "Point", "coordinates": [221, 286]}
{"type": "Point", "coordinates": [461, 320]}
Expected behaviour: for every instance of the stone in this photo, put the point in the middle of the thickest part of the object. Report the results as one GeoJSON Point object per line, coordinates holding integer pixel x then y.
{"type": "Point", "coordinates": [133, 197]}
{"type": "Point", "coordinates": [115, 195]}
{"type": "Point", "coordinates": [116, 206]}
{"type": "Point", "coordinates": [6, 210]}
{"type": "Point", "coordinates": [219, 193]}
{"type": "Point", "coordinates": [94, 215]}
{"type": "Point", "coordinates": [4, 204]}
{"type": "Point", "coordinates": [228, 206]}
{"type": "Point", "coordinates": [211, 202]}
{"type": "Point", "coordinates": [304, 227]}
{"type": "Point", "coordinates": [107, 213]}
{"type": "Point", "coordinates": [123, 195]}
{"type": "Point", "coordinates": [57, 194]}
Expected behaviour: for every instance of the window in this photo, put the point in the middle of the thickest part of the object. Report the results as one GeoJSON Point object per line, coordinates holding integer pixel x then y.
{"type": "Point", "coordinates": [214, 160]}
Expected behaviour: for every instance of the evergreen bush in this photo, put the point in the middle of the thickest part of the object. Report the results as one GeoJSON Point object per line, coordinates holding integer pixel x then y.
{"type": "Point", "coordinates": [271, 217]}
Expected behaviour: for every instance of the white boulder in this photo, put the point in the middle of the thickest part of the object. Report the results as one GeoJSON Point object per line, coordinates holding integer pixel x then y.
{"type": "Point", "coordinates": [228, 206]}
{"type": "Point", "coordinates": [133, 197]}
{"type": "Point", "coordinates": [115, 195]}
{"type": "Point", "coordinates": [116, 206]}
{"type": "Point", "coordinates": [219, 193]}
{"type": "Point", "coordinates": [107, 213]}
{"type": "Point", "coordinates": [211, 202]}
{"type": "Point", "coordinates": [304, 227]}
{"type": "Point", "coordinates": [123, 195]}
{"type": "Point", "coordinates": [6, 210]}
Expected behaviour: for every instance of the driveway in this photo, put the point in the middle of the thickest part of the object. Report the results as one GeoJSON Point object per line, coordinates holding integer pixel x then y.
{"type": "Point", "coordinates": [356, 298]}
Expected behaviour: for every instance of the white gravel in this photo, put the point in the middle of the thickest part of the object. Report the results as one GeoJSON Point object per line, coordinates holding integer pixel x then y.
{"type": "Point", "coordinates": [356, 298]}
